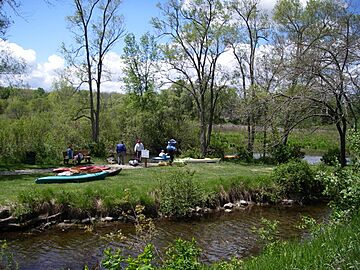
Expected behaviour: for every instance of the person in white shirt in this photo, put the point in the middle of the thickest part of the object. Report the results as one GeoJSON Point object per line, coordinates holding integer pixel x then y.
{"type": "Point", "coordinates": [138, 148]}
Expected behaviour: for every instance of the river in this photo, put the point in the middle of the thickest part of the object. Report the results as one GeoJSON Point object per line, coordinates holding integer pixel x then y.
{"type": "Point", "coordinates": [220, 236]}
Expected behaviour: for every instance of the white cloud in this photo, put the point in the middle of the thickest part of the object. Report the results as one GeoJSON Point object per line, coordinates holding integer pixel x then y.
{"type": "Point", "coordinates": [18, 52]}
{"type": "Point", "coordinates": [269, 4]}
{"type": "Point", "coordinates": [44, 74]}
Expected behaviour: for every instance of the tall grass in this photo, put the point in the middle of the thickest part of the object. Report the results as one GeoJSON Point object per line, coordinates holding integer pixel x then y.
{"type": "Point", "coordinates": [312, 141]}
{"type": "Point", "coordinates": [337, 247]}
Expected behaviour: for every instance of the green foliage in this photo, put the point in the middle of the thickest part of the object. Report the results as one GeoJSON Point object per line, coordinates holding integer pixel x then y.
{"type": "Point", "coordinates": [97, 149]}
{"type": "Point", "coordinates": [7, 258]}
{"type": "Point", "coordinates": [233, 264]}
{"type": "Point", "coordinates": [267, 231]}
{"type": "Point", "coordinates": [244, 154]}
{"type": "Point", "coordinates": [331, 157]}
{"type": "Point", "coordinates": [282, 153]}
{"type": "Point", "coordinates": [218, 145]}
{"type": "Point", "coordinates": [114, 260]}
{"type": "Point", "coordinates": [297, 180]}
{"type": "Point", "coordinates": [343, 187]}
{"type": "Point", "coordinates": [179, 193]}
{"type": "Point", "coordinates": [336, 247]}
{"type": "Point", "coordinates": [343, 184]}
{"type": "Point", "coordinates": [354, 146]}
{"type": "Point", "coordinates": [143, 260]}
{"type": "Point", "coordinates": [310, 224]}
{"type": "Point", "coordinates": [182, 255]}
{"type": "Point", "coordinates": [191, 152]}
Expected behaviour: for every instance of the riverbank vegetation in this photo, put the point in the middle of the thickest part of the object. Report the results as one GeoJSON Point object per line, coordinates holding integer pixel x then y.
{"type": "Point", "coordinates": [144, 185]}
{"type": "Point", "coordinates": [329, 246]}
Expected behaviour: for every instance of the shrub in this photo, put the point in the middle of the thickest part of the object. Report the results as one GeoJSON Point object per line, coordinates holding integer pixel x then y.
{"type": "Point", "coordinates": [183, 255]}
{"type": "Point", "coordinates": [179, 194]}
{"type": "Point", "coordinates": [115, 260]}
{"type": "Point", "coordinates": [98, 149]}
{"type": "Point", "coordinates": [244, 154]}
{"type": "Point", "coordinates": [297, 180]}
{"type": "Point", "coordinates": [191, 152]}
{"type": "Point", "coordinates": [331, 157]}
{"type": "Point", "coordinates": [218, 145]}
{"type": "Point", "coordinates": [343, 187]}
{"type": "Point", "coordinates": [282, 153]}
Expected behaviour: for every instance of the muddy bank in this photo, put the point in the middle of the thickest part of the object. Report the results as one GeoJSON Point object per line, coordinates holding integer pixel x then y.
{"type": "Point", "coordinates": [48, 215]}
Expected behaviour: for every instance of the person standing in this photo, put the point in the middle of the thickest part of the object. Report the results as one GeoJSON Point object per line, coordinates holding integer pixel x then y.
{"type": "Point", "coordinates": [171, 149]}
{"type": "Point", "coordinates": [70, 152]}
{"type": "Point", "coordinates": [138, 148]}
{"type": "Point", "coordinates": [120, 153]}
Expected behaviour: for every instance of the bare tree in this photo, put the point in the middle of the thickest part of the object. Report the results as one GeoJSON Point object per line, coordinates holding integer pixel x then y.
{"type": "Point", "coordinates": [251, 27]}
{"type": "Point", "coordinates": [97, 27]}
{"type": "Point", "coordinates": [327, 41]}
{"type": "Point", "coordinates": [197, 32]}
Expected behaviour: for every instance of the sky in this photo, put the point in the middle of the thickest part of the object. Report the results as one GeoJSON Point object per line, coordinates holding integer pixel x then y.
{"type": "Point", "coordinates": [37, 34]}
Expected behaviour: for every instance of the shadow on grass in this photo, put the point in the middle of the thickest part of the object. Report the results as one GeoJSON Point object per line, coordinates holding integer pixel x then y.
{"type": "Point", "coordinates": [30, 177]}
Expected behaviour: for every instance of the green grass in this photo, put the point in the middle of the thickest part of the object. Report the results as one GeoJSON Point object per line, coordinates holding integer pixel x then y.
{"type": "Point", "coordinates": [312, 141]}
{"type": "Point", "coordinates": [140, 183]}
{"type": "Point", "coordinates": [336, 248]}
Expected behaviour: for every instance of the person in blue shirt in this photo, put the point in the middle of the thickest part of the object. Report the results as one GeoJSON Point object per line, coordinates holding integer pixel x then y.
{"type": "Point", "coordinates": [120, 153]}
{"type": "Point", "coordinates": [70, 152]}
{"type": "Point", "coordinates": [171, 149]}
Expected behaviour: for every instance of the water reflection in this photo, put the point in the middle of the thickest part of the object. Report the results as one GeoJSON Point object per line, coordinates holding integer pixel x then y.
{"type": "Point", "coordinates": [220, 236]}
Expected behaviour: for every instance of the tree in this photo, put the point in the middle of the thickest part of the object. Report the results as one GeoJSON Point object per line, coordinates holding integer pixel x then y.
{"type": "Point", "coordinates": [197, 32]}
{"type": "Point", "coordinates": [97, 27]}
{"type": "Point", "coordinates": [251, 27]}
{"type": "Point", "coordinates": [140, 64]}
{"type": "Point", "coordinates": [140, 59]}
{"type": "Point", "coordinates": [5, 20]}
{"type": "Point", "coordinates": [10, 65]}
{"type": "Point", "coordinates": [327, 39]}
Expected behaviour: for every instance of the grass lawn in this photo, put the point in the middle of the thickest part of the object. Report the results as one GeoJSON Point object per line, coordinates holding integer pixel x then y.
{"type": "Point", "coordinates": [140, 182]}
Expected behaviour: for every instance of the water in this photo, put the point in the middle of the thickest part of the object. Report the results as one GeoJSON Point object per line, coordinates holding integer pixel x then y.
{"type": "Point", "coordinates": [220, 236]}
{"type": "Point", "coordinates": [310, 159]}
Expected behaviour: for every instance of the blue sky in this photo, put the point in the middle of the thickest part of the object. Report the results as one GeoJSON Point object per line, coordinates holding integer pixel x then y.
{"type": "Point", "coordinates": [38, 33]}
{"type": "Point", "coordinates": [43, 27]}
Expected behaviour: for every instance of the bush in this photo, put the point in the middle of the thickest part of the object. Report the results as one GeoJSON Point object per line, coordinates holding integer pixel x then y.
{"type": "Point", "coordinates": [97, 149]}
{"type": "Point", "coordinates": [192, 153]}
{"type": "Point", "coordinates": [217, 146]}
{"type": "Point", "coordinates": [343, 187]}
{"type": "Point", "coordinates": [283, 153]}
{"type": "Point", "coordinates": [244, 154]}
{"type": "Point", "coordinates": [331, 157]}
{"type": "Point", "coordinates": [179, 194]}
{"type": "Point", "coordinates": [183, 255]}
{"type": "Point", "coordinates": [297, 180]}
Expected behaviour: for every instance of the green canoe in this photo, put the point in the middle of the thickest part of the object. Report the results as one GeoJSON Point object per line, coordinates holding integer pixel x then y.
{"type": "Point", "coordinates": [75, 178]}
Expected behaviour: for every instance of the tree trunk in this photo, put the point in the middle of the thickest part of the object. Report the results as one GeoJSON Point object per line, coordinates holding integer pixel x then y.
{"type": "Point", "coordinates": [342, 127]}
{"type": "Point", "coordinates": [203, 141]}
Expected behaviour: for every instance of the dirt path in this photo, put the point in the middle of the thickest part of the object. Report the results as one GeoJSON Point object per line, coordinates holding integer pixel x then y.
{"type": "Point", "coordinates": [49, 170]}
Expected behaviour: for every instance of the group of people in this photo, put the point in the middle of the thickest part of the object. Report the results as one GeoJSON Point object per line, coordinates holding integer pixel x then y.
{"type": "Point", "coordinates": [77, 158]}
{"type": "Point", "coordinates": [121, 151]}
{"type": "Point", "coordinates": [139, 146]}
